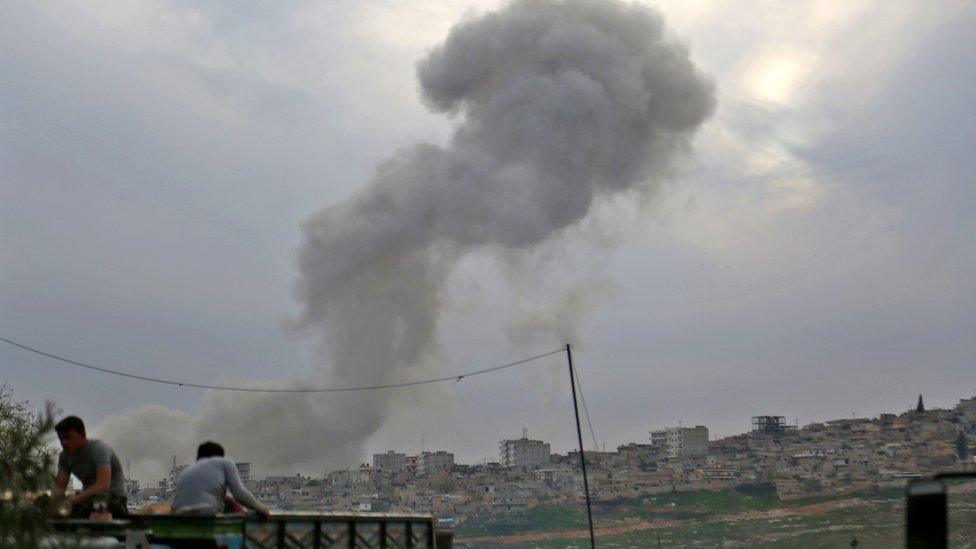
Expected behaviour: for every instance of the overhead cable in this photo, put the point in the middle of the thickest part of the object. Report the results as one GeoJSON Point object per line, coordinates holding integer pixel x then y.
{"type": "Point", "coordinates": [456, 377]}
{"type": "Point", "coordinates": [585, 411]}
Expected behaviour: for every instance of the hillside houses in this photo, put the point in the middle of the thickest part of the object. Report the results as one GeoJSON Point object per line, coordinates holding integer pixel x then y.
{"type": "Point", "coordinates": [830, 458]}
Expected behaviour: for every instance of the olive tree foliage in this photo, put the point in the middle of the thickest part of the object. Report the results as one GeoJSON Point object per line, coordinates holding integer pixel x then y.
{"type": "Point", "coordinates": [25, 470]}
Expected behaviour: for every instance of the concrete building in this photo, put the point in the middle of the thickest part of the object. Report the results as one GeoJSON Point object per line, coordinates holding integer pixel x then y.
{"type": "Point", "coordinates": [131, 486]}
{"type": "Point", "coordinates": [244, 471]}
{"type": "Point", "coordinates": [523, 452]}
{"type": "Point", "coordinates": [175, 471]}
{"type": "Point", "coordinates": [678, 442]}
{"type": "Point", "coordinates": [390, 461]}
{"type": "Point", "coordinates": [412, 464]}
{"type": "Point", "coordinates": [659, 439]}
{"type": "Point", "coordinates": [430, 462]}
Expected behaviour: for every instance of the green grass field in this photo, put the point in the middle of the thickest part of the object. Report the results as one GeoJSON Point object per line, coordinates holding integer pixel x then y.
{"type": "Point", "coordinates": [729, 518]}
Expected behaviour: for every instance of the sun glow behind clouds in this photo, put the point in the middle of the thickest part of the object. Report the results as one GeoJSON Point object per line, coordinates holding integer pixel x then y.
{"type": "Point", "coordinates": [776, 77]}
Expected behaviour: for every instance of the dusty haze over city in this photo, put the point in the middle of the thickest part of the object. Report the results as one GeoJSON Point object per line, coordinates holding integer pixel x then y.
{"type": "Point", "coordinates": [242, 195]}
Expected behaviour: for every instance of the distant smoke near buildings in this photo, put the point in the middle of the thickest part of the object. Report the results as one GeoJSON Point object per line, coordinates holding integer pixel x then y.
{"type": "Point", "coordinates": [558, 105]}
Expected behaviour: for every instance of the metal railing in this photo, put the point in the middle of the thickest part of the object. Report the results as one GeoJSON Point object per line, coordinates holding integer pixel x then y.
{"type": "Point", "coordinates": [281, 531]}
{"type": "Point", "coordinates": [354, 530]}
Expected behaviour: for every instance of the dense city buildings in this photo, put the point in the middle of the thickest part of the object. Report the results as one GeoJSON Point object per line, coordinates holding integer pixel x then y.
{"type": "Point", "coordinates": [522, 452]}
{"type": "Point", "coordinates": [838, 457]}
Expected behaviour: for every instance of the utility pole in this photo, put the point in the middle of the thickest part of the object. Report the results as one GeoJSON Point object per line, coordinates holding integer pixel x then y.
{"type": "Point", "coordinates": [579, 436]}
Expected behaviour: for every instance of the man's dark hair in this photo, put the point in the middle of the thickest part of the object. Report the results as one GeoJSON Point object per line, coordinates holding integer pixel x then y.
{"type": "Point", "coordinates": [210, 449]}
{"type": "Point", "coordinates": [70, 423]}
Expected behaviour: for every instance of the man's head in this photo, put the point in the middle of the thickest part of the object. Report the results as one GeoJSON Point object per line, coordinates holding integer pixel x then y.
{"type": "Point", "coordinates": [71, 433]}
{"type": "Point", "coordinates": [210, 449]}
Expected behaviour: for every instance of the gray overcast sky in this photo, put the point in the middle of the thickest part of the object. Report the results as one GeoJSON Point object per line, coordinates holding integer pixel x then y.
{"type": "Point", "coordinates": [813, 259]}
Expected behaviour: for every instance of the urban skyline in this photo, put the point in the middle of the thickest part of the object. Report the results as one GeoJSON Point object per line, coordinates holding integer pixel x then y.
{"type": "Point", "coordinates": [401, 460]}
{"type": "Point", "coordinates": [845, 458]}
{"type": "Point", "coordinates": [165, 194]}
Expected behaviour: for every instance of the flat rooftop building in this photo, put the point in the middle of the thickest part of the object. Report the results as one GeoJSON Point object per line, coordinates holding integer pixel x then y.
{"type": "Point", "coordinates": [522, 452]}
{"type": "Point", "coordinates": [390, 461]}
{"type": "Point", "coordinates": [678, 442]}
{"type": "Point", "coordinates": [430, 462]}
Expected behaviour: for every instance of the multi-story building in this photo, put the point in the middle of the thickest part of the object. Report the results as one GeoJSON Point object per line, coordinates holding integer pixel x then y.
{"type": "Point", "coordinates": [678, 442]}
{"type": "Point", "coordinates": [174, 474]}
{"type": "Point", "coordinates": [390, 461]}
{"type": "Point", "coordinates": [244, 471]}
{"type": "Point", "coordinates": [430, 462]}
{"type": "Point", "coordinates": [659, 439]}
{"type": "Point", "coordinates": [412, 464]}
{"type": "Point", "coordinates": [523, 452]}
{"type": "Point", "coordinates": [131, 486]}
{"type": "Point", "coordinates": [638, 455]}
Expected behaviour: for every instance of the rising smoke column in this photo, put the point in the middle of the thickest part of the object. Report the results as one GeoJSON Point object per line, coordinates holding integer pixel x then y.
{"type": "Point", "coordinates": [558, 104]}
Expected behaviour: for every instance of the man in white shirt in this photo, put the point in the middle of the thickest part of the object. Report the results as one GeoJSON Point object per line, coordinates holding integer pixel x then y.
{"type": "Point", "coordinates": [202, 486]}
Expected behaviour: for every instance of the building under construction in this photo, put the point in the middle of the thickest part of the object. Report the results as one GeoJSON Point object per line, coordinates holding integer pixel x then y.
{"type": "Point", "coordinates": [770, 425]}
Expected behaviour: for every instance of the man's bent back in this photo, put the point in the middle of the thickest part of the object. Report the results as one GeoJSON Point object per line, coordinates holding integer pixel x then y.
{"type": "Point", "coordinates": [203, 485]}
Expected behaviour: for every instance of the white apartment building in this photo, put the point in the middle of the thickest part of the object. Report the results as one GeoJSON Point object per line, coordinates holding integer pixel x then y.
{"type": "Point", "coordinates": [244, 471]}
{"type": "Point", "coordinates": [390, 461]}
{"type": "Point", "coordinates": [522, 452]}
{"type": "Point", "coordinates": [678, 442]}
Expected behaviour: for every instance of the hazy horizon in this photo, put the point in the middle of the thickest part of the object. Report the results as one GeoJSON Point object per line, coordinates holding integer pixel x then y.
{"type": "Point", "coordinates": [800, 246]}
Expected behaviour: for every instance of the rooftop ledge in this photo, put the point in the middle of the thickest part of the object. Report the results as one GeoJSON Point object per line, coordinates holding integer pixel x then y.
{"type": "Point", "coordinates": [297, 529]}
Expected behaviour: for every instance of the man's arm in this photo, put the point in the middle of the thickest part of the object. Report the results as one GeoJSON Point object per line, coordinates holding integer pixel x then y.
{"type": "Point", "coordinates": [57, 494]}
{"type": "Point", "coordinates": [60, 483]}
{"type": "Point", "coordinates": [61, 480]}
{"type": "Point", "coordinates": [238, 490]}
{"type": "Point", "coordinates": [103, 480]}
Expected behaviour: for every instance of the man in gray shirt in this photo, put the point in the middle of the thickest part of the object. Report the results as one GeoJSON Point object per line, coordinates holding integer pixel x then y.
{"type": "Point", "coordinates": [203, 486]}
{"type": "Point", "coordinates": [96, 466]}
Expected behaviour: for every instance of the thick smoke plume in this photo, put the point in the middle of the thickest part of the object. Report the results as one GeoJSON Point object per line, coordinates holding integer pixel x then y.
{"type": "Point", "coordinates": [558, 104]}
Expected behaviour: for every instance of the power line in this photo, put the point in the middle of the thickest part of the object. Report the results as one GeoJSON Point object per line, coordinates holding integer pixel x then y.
{"type": "Point", "coordinates": [585, 411]}
{"type": "Point", "coordinates": [457, 377]}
